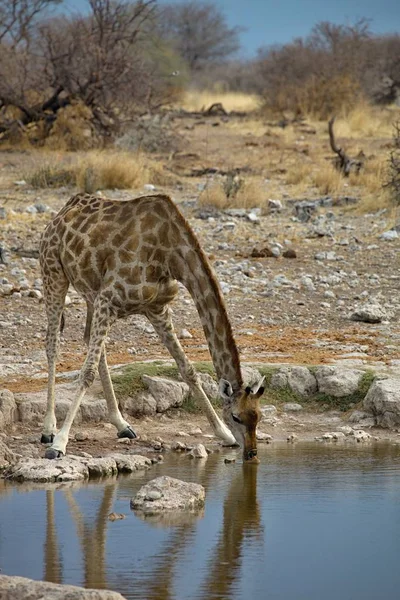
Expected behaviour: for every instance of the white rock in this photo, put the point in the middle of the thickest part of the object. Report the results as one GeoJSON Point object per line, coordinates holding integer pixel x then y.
{"type": "Point", "coordinates": [166, 392]}
{"type": "Point", "coordinates": [390, 235]}
{"type": "Point", "coordinates": [184, 334]}
{"type": "Point", "coordinates": [172, 494]}
{"type": "Point", "coordinates": [336, 381]}
{"type": "Point", "coordinates": [198, 451]}
{"type": "Point", "coordinates": [21, 588]}
{"type": "Point", "coordinates": [383, 399]}
{"type": "Point", "coordinates": [369, 313]}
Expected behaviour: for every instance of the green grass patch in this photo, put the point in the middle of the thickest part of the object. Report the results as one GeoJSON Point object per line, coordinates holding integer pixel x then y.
{"type": "Point", "coordinates": [129, 382]}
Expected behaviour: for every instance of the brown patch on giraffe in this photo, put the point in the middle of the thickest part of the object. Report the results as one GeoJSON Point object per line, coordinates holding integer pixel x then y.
{"type": "Point", "coordinates": [85, 260]}
{"type": "Point", "coordinates": [99, 234]}
{"type": "Point", "coordinates": [91, 278]}
{"type": "Point", "coordinates": [132, 243]}
{"type": "Point", "coordinates": [125, 256]}
{"type": "Point", "coordinates": [77, 246]}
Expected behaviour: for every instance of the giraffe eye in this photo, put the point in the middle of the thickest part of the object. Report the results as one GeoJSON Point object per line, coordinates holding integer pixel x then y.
{"type": "Point", "coordinates": [237, 420]}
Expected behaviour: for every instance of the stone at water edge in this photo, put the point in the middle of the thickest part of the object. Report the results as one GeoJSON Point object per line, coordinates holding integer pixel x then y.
{"type": "Point", "coordinates": [21, 588]}
{"type": "Point", "coordinates": [168, 494]}
{"type": "Point", "coordinates": [383, 399]}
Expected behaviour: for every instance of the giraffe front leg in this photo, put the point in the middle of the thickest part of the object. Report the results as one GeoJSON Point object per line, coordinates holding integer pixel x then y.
{"type": "Point", "coordinates": [54, 309]}
{"type": "Point", "coordinates": [102, 319]}
{"type": "Point", "coordinates": [163, 325]}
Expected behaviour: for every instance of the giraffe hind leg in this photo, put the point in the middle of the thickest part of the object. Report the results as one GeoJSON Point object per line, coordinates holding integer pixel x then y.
{"type": "Point", "coordinates": [123, 428]}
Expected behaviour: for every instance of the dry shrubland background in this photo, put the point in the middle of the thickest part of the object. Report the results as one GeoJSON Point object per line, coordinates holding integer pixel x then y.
{"type": "Point", "coordinates": [118, 76]}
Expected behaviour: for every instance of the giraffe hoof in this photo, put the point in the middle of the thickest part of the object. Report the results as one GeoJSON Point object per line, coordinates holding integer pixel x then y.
{"type": "Point", "coordinates": [47, 438]}
{"type": "Point", "coordinates": [127, 433]}
{"type": "Point", "coordinates": [52, 453]}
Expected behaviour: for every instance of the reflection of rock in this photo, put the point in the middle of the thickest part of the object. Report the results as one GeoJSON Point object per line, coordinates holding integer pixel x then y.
{"type": "Point", "coordinates": [20, 588]}
{"type": "Point", "coordinates": [74, 468]}
{"type": "Point", "coordinates": [172, 518]}
{"type": "Point", "coordinates": [168, 494]}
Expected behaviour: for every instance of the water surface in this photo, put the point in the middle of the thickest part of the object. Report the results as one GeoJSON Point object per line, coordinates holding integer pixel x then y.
{"type": "Point", "coordinates": [311, 522]}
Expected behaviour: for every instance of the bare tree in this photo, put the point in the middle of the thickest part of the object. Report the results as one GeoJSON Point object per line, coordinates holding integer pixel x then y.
{"type": "Point", "coordinates": [17, 18]}
{"type": "Point", "coordinates": [199, 32]}
{"type": "Point", "coordinates": [108, 60]}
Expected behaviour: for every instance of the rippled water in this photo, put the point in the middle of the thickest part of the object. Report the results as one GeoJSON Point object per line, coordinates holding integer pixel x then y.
{"type": "Point", "coordinates": [311, 522]}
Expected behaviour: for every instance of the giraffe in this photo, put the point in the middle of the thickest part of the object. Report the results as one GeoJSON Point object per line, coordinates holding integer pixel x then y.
{"type": "Point", "coordinates": [125, 258]}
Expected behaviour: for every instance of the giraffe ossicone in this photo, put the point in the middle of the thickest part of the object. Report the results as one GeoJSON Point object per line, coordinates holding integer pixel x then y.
{"type": "Point", "coordinates": [125, 258]}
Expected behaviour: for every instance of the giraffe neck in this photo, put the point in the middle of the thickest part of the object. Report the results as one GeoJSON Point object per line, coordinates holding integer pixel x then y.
{"type": "Point", "coordinates": [191, 267]}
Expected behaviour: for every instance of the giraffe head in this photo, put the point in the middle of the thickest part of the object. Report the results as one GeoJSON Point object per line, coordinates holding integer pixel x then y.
{"type": "Point", "coordinates": [242, 413]}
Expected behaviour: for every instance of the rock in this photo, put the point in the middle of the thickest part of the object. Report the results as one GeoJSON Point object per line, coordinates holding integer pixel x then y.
{"type": "Point", "coordinates": [250, 375]}
{"type": "Point", "coordinates": [8, 409]}
{"type": "Point", "coordinates": [166, 392]}
{"type": "Point", "coordinates": [346, 429]}
{"type": "Point", "coordinates": [7, 457]}
{"type": "Point", "coordinates": [195, 431]}
{"type": "Point", "coordinates": [333, 436]}
{"type": "Point", "coordinates": [115, 516]}
{"type": "Point", "coordinates": [268, 411]}
{"type": "Point", "coordinates": [302, 382]}
{"type": "Point", "coordinates": [360, 416]}
{"type": "Point", "coordinates": [173, 495]}
{"type": "Point", "coordinates": [198, 451]}
{"type": "Point", "coordinates": [369, 313]}
{"type": "Point", "coordinates": [144, 404]}
{"type": "Point", "coordinates": [263, 437]}
{"type": "Point", "coordinates": [337, 382]}
{"type": "Point", "coordinates": [383, 400]}
{"type": "Point", "coordinates": [81, 436]}
{"type": "Point", "coordinates": [42, 470]}
{"type": "Point", "coordinates": [362, 436]}
{"type": "Point", "coordinates": [292, 407]}
{"type": "Point", "coordinates": [209, 385]}
{"type": "Point", "coordinates": [390, 235]}
{"type": "Point", "coordinates": [94, 411]}
{"type": "Point", "coordinates": [184, 334]}
{"type": "Point", "coordinates": [229, 460]}
{"type": "Point", "coordinates": [289, 253]}
{"type": "Point", "coordinates": [299, 379]}
{"type": "Point", "coordinates": [21, 588]}
{"type": "Point", "coordinates": [292, 438]}
{"type": "Point", "coordinates": [274, 205]}
{"type": "Point", "coordinates": [132, 462]}
{"type": "Point", "coordinates": [102, 467]}
{"type": "Point", "coordinates": [178, 447]}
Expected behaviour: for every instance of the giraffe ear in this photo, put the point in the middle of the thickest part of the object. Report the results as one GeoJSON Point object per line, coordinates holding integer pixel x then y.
{"type": "Point", "coordinates": [225, 389]}
{"type": "Point", "coordinates": [258, 388]}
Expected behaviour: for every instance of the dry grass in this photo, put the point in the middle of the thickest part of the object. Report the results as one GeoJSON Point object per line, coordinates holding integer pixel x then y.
{"type": "Point", "coordinates": [251, 194]}
{"type": "Point", "coordinates": [298, 173]}
{"type": "Point", "coordinates": [196, 100]}
{"type": "Point", "coordinates": [95, 170]}
{"type": "Point", "coordinates": [327, 179]}
{"type": "Point", "coordinates": [366, 121]}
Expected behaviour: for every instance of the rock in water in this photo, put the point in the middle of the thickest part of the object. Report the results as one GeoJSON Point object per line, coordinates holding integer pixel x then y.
{"type": "Point", "coordinates": [168, 494]}
{"type": "Point", "coordinates": [20, 588]}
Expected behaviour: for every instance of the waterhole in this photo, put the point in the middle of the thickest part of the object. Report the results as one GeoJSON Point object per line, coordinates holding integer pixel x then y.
{"type": "Point", "coordinates": [310, 522]}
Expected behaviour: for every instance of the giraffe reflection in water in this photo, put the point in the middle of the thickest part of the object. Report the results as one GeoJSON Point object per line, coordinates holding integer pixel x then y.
{"type": "Point", "coordinates": [241, 525]}
{"type": "Point", "coordinates": [92, 538]}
